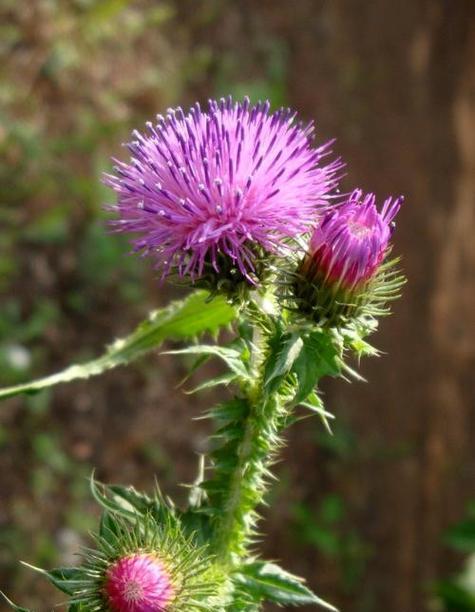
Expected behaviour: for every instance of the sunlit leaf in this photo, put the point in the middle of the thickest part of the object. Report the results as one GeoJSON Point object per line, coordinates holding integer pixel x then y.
{"type": "Point", "coordinates": [179, 321]}
{"type": "Point", "coordinates": [66, 579]}
{"type": "Point", "coordinates": [270, 582]}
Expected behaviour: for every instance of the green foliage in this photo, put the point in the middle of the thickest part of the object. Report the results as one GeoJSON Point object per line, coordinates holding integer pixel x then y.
{"type": "Point", "coordinates": [266, 581]}
{"type": "Point", "coordinates": [231, 356]}
{"type": "Point", "coordinates": [274, 367]}
{"type": "Point", "coordinates": [462, 535]}
{"type": "Point", "coordinates": [249, 426]}
{"type": "Point", "coordinates": [455, 597]}
{"type": "Point", "coordinates": [180, 320]}
{"type": "Point", "coordinates": [283, 350]}
{"type": "Point", "coordinates": [327, 530]}
{"type": "Point", "coordinates": [457, 593]}
{"type": "Point", "coordinates": [66, 579]}
{"type": "Point", "coordinates": [321, 355]}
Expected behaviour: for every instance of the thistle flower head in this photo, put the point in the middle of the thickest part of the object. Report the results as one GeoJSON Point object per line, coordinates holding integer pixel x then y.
{"type": "Point", "coordinates": [145, 565]}
{"type": "Point", "coordinates": [138, 582]}
{"type": "Point", "coordinates": [209, 192]}
{"type": "Point", "coordinates": [350, 241]}
{"type": "Point", "coordinates": [345, 272]}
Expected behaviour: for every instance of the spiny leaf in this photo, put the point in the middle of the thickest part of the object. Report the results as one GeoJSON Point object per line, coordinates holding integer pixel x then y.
{"type": "Point", "coordinates": [224, 379]}
{"type": "Point", "coordinates": [270, 582]}
{"type": "Point", "coordinates": [124, 504]}
{"type": "Point", "coordinates": [320, 355]}
{"type": "Point", "coordinates": [235, 409]}
{"type": "Point", "coordinates": [315, 404]}
{"type": "Point", "coordinates": [283, 351]}
{"type": "Point", "coordinates": [66, 579]}
{"type": "Point", "coordinates": [180, 320]}
{"type": "Point", "coordinates": [231, 356]}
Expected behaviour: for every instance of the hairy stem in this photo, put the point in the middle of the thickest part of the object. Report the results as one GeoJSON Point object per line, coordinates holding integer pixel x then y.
{"type": "Point", "coordinates": [251, 456]}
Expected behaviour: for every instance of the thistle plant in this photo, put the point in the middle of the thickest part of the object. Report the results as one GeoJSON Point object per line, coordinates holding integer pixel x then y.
{"type": "Point", "coordinates": [242, 206]}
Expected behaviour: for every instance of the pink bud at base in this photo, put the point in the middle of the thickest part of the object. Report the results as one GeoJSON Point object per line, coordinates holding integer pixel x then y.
{"type": "Point", "coordinates": [138, 583]}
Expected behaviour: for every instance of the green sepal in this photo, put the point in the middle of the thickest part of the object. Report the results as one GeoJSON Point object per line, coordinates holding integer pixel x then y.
{"type": "Point", "coordinates": [304, 291]}
{"type": "Point", "coordinates": [265, 581]}
{"type": "Point", "coordinates": [181, 320]}
{"type": "Point", "coordinates": [108, 527]}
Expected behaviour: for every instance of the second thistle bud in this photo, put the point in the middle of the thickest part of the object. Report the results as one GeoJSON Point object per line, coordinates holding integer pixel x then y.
{"type": "Point", "coordinates": [344, 273]}
{"type": "Point", "coordinates": [147, 565]}
{"type": "Point", "coordinates": [139, 582]}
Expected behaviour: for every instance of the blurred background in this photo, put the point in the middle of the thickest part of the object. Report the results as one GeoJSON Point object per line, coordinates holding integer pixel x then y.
{"type": "Point", "coordinates": [379, 517]}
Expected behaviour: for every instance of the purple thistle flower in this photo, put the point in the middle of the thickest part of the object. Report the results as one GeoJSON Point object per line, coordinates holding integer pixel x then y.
{"type": "Point", "coordinates": [351, 240]}
{"type": "Point", "coordinates": [345, 272]}
{"type": "Point", "coordinates": [208, 190]}
{"type": "Point", "coordinates": [138, 583]}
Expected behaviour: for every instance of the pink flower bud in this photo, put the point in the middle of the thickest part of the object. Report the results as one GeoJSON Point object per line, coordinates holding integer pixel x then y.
{"type": "Point", "coordinates": [139, 583]}
{"type": "Point", "coordinates": [350, 242]}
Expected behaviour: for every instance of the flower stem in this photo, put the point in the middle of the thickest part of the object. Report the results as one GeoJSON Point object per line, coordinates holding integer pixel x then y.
{"type": "Point", "coordinates": [251, 456]}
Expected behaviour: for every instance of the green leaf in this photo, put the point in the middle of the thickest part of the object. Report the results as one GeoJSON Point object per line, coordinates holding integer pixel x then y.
{"type": "Point", "coordinates": [462, 536]}
{"type": "Point", "coordinates": [270, 582]}
{"type": "Point", "coordinates": [320, 355]}
{"type": "Point", "coordinates": [12, 605]}
{"type": "Point", "coordinates": [130, 503]}
{"type": "Point", "coordinates": [66, 579]}
{"type": "Point", "coordinates": [284, 348]}
{"type": "Point", "coordinates": [456, 598]}
{"type": "Point", "coordinates": [225, 379]}
{"type": "Point", "coordinates": [178, 321]}
{"type": "Point", "coordinates": [125, 501]}
{"type": "Point", "coordinates": [307, 366]}
{"type": "Point", "coordinates": [231, 356]}
{"type": "Point", "coordinates": [315, 404]}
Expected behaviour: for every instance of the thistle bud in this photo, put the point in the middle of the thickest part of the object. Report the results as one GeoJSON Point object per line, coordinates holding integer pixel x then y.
{"type": "Point", "coordinates": [345, 272]}
{"type": "Point", "coordinates": [147, 566]}
{"type": "Point", "coordinates": [139, 582]}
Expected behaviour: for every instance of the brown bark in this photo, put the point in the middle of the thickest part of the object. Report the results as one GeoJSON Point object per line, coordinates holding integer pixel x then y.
{"type": "Point", "coordinates": [394, 81]}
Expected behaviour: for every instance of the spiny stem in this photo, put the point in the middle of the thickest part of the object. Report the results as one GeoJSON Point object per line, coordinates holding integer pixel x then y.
{"type": "Point", "coordinates": [227, 535]}
{"type": "Point", "coordinates": [254, 452]}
